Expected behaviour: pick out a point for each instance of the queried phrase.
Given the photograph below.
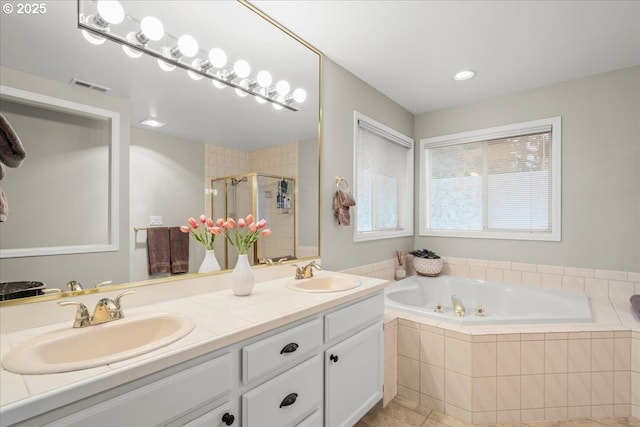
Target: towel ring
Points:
(342, 180)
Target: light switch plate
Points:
(155, 220)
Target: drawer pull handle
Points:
(289, 400)
(334, 358)
(289, 348)
(228, 419)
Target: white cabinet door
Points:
(354, 376)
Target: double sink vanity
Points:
(295, 352)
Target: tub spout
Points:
(458, 307)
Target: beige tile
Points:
(457, 390)
(414, 406)
(484, 359)
(579, 389)
(456, 412)
(432, 348)
(610, 275)
(510, 417)
(484, 417)
(555, 413)
(408, 342)
(409, 373)
(523, 267)
(602, 388)
(596, 288)
(622, 387)
(620, 292)
(438, 419)
(555, 356)
(579, 412)
(457, 356)
(392, 415)
(503, 265)
(390, 373)
(579, 355)
(532, 357)
(602, 411)
(531, 279)
(550, 281)
(432, 381)
(532, 391)
(478, 273)
(555, 390)
(580, 272)
(532, 414)
(602, 354)
(390, 342)
(495, 275)
(508, 397)
(508, 357)
(407, 393)
(484, 394)
(430, 402)
(622, 411)
(622, 354)
(550, 269)
(572, 283)
(512, 277)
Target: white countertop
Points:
(221, 319)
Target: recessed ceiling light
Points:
(152, 123)
(464, 75)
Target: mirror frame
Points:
(278, 26)
(65, 106)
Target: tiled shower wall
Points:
(485, 377)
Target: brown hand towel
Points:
(158, 250)
(341, 202)
(179, 243)
(4, 208)
(11, 151)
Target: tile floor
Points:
(404, 413)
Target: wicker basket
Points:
(427, 266)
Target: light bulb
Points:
(263, 92)
(299, 95)
(131, 53)
(152, 28)
(217, 57)
(93, 39)
(276, 106)
(218, 84)
(464, 75)
(264, 78)
(188, 45)
(195, 64)
(111, 11)
(163, 64)
(242, 68)
(283, 87)
(245, 84)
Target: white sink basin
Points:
(325, 283)
(72, 349)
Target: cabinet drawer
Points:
(270, 353)
(219, 417)
(285, 399)
(353, 317)
(313, 420)
(158, 402)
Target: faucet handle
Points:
(74, 285)
(82, 314)
(119, 297)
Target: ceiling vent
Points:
(90, 85)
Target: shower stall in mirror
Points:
(265, 196)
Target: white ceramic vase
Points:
(243, 277)
(209, 263)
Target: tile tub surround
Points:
(522, 373)
(222, 319)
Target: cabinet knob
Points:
(228, 419)
(289, 400)
(334, 358)
(289, 348)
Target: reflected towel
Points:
(11, 151)
(342, 200)
(4, 209)
(179, 243)
(635, 304)
(158, 250)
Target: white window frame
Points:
(554, 123)
(394, 137)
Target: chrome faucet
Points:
(306, 272)
(458, 307)
(106, 310)
(76, 286)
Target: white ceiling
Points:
(410, 50)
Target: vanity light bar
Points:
(96, 28)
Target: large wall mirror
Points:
(167, 174)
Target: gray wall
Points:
(307, 192)
(86, 268)
(167, 179)
(600, 170)
(343, 93)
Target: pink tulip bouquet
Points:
(205, 234)
(244, 232)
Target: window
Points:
(501, 182)
(384, 181)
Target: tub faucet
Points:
(307, 271)
(458, 307)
